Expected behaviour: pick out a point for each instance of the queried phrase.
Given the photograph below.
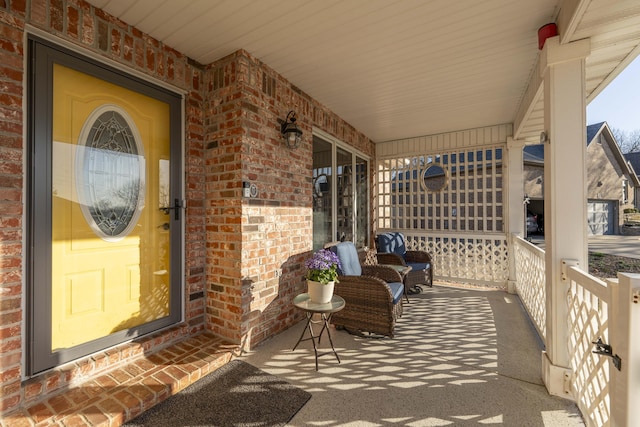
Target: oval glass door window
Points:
(434, 178)
(110, 172)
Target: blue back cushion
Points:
(392, 243)
(348, 256)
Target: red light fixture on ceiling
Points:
(546, 31)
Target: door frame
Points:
(42, 54)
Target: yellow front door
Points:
(110, 240)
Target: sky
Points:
(619, 103)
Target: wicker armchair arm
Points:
(369, 305)
(390, 259)
(385, 273)
(417, 256)
(363, 290)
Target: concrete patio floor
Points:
(460, 357)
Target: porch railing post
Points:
(624, 334)
(565, 192)
(515, 197)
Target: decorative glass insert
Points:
(110, 172)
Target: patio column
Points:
(515, 199)
(565, 193)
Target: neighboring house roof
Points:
(634, 159)
(593, 130)
(603, 128)
(535, 153)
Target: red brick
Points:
(75, 420)
(52, 381)
(112, 407)
(19, 7)
(95, 417)
(143, 394)
(10, 388)
(60, 404)
(106, 382)
(9, 249)
(127, 48)
(116, 37)
(150, 57)
(9, 402)
(41, 412)
(88, 29)
(32, 390)
(56, 15)
(10, 127)
(120, 376)
(73, 21)
(128, 401)
(17, 420)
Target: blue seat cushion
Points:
(397, 289)
(419, 266)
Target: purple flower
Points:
(323, 266)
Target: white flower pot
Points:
(319, 293)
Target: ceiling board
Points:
(393, 69)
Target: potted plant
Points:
(322, 275)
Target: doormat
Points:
(235, 395)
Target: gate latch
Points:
(603, 349)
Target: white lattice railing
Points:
(530, 281)
(464, 257)
(588, 301)
(606, 395)
(606, 388)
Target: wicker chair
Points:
(392, 250)
(369, 257)
(373, 294)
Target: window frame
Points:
(356, 154)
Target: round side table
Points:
(325, 311)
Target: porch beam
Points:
(565, 192)
(571, 13)
(531, 97)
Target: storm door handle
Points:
(177, 205)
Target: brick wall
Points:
(11, 202)
(256, 246)
(235, 247)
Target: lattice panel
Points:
(470, 199)
(467, 258)
(588, 320)
(530, 282)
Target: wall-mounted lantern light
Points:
(290, 132)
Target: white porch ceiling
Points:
(395, 69)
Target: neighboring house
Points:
(633, 160)
(612, 184)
